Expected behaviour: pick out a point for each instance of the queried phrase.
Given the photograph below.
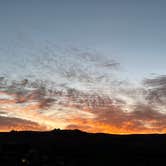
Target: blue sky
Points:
(132, 32)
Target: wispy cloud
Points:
(77, 89)
(9, 123)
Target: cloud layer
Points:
(77, 89)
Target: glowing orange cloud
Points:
(90, 125)
(37, 108)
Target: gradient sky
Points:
(95, 65)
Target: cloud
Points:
(156, 90)
(17, 92)
(145, 115)
(79, 89)
(93, 112)
(8, 124)
(25, 101)
(112, 120)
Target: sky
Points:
(93, 65)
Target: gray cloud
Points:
(8, 123)
(156, 92)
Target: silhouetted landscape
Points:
(77, 148)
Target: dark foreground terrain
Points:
(76, 148)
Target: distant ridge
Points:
(78, 148)
(77, 131)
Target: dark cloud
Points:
(114, 120)
(156, 82)
(24, 91)
(3, 113)
(8, 123)
(156, 92)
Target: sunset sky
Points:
(93, 65)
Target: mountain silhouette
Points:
(78, 148)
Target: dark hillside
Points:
(76, 148)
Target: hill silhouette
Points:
(77, 148)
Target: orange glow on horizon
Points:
(87, 125)
(99, 127)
